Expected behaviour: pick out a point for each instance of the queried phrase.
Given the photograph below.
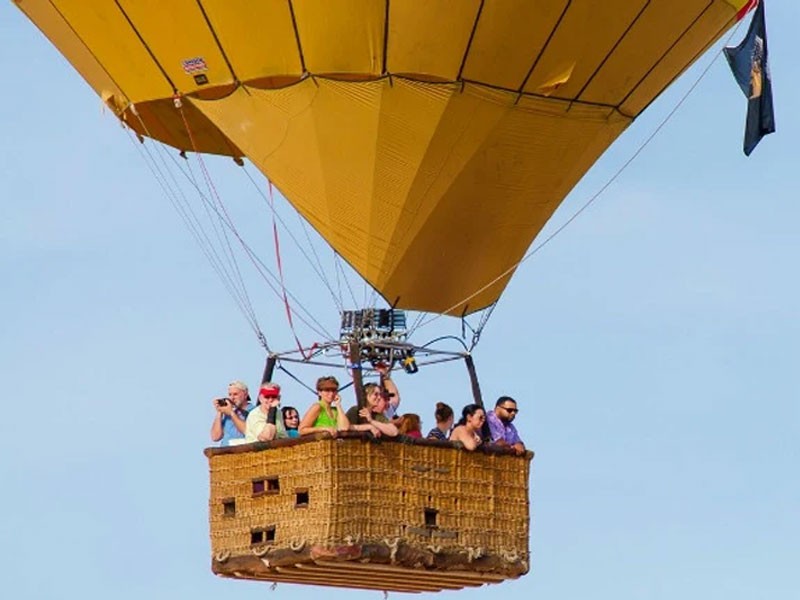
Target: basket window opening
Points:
(229, 507)
(301, 499)
(262, 535)
(266, 485)
(430, 518)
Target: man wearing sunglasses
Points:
(501, 424)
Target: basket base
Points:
(366, 567)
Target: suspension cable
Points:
(228, 221)
(297, 379)
(280, 273)
(476, 335)
(317, 267)
(214, 195)
(219, 231)
(187, 215)
(337, 265)
(263, 269)
(338, 282)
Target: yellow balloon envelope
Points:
(427, 141)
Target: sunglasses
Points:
(328, 389)
(269, 394)
(511, 410)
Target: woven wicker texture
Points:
(355, 491)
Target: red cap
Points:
(270, 390)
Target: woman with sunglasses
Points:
(291, 420)
(372, 416)
(326, 414)
(468, 429)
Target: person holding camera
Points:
(390, 392)
(231, 414)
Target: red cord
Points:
(280, 274)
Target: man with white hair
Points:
(265, 422)
(231, 414)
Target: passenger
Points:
(326, 414)
(501, 424)
(444, 422)
(468, 429)
(291, 420)
(263, 422)
(392, 393)
(371, 417)
(411, 425)
(231, 414)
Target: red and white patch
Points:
(194, 65)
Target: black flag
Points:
(748, 62)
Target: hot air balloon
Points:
(428, 143)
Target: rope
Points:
(393, 546)
(222, 555)
(445, 337)
(417, 320)
(280, 273)
(473, 553)
(318, 269)
(308, 387)
(591, 200)
(214, 194)
(476, 335)
(265, 271)
(337, 264)
(509, 555)
(319, 329)
(196, 230)
(221, 235)
(260, 266)
(262, 551)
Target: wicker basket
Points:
(389, 514)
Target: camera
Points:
(222, 401)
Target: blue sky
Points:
(652, 346)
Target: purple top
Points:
(501, 431)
